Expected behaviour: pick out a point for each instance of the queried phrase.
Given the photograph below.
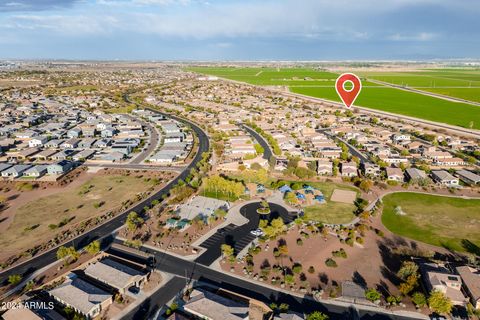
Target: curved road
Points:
(104, 230)
(267, 150)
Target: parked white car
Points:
(257, 232)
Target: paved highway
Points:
(104, 230)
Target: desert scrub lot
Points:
(461, 83)
(38, 221)
(330, 212)
(448, 222)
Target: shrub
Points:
(311, 269)
(297, 268)
(419, 299)
(331, 263)
(372, 295)
(339, 253)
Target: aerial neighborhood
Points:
(165, 190)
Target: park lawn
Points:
(330, 212)
(221, 195)
(406, 103)
(448, 222)
(72, 203)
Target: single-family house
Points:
(116, 274)
(394, 174)
(82, 296)
(60, 167)
(83, 155)
(54, 143)
(15, 171)
(471, 283)
(468, 177)
(37, 141)
(36, 171)
(415, 175)
(444, 178)
(370, 169)
(349, 169)
(74, 132)
(324, 168)
(437, 277)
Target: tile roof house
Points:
(471, 283)
(437, 277)
(36, 171)
(444, 178)
(115, 274)
(415, 175)
(82, 297)
(16, 171)
(394, 174)
(468, 177)
(349, 169)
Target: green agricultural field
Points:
(461, 83)
(406, 103)
(441, 221)
(272, 76)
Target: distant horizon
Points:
(239, 30)
(459, 60)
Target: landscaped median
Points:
(449, 222)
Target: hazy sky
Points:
(240, 29)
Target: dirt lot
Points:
(371, 264)
(33, 217)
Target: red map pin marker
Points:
(348, 96)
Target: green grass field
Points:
(330, 212)
(461, 83)
(406, 103)
(441, 221)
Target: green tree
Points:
(407, 269)
(227, 250)
(317, 315)
(14, 279)
(291, 198)
(93, 247)
(134, 221)
(439, 302)
(67, 253)
(366, 185)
